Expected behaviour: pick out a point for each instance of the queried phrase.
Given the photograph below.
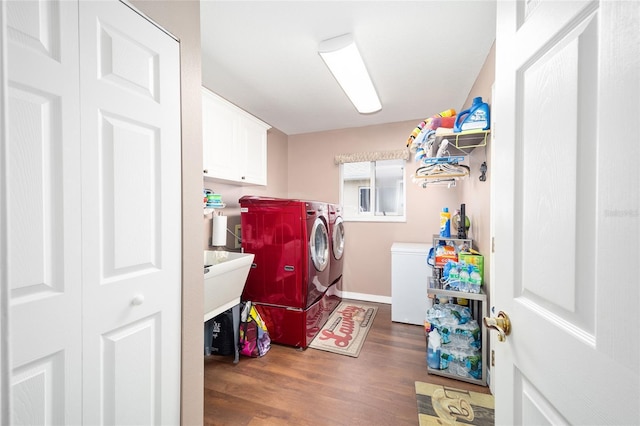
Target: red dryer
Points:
(290, 274)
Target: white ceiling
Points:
(423, 57)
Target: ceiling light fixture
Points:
(345, 63)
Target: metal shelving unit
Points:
(477, 305)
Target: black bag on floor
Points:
(222, 342)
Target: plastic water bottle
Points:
(474, 279)
(464, 277)
(454, 276)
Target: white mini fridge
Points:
(410, 275)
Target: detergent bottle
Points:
(445, 223)
(476, 117)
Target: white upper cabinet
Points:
(234, 142)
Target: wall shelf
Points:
(208, 210)
(447, 167)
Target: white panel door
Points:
(566, 212)
(130, 101)
(43, 212)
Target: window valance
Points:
(357, 157)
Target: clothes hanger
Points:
(442, 170)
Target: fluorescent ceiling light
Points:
(345, 63)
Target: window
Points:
(373, 191)
(364, 198)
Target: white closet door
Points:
(43, 212)
(566, 213)
(130, 112)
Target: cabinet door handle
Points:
(206, 171)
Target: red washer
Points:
(289, 277)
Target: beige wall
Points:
(313, 175)
(182, 19)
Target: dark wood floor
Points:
(312, 387)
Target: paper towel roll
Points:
(219, 231)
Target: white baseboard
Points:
(366, 297)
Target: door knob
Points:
(138, 300)
(501, 324)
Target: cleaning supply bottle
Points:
(476, 117)
(445, 223)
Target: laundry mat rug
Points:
(439, 405)
(346, 329)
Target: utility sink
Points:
(225, 274)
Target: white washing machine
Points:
(410, 275)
